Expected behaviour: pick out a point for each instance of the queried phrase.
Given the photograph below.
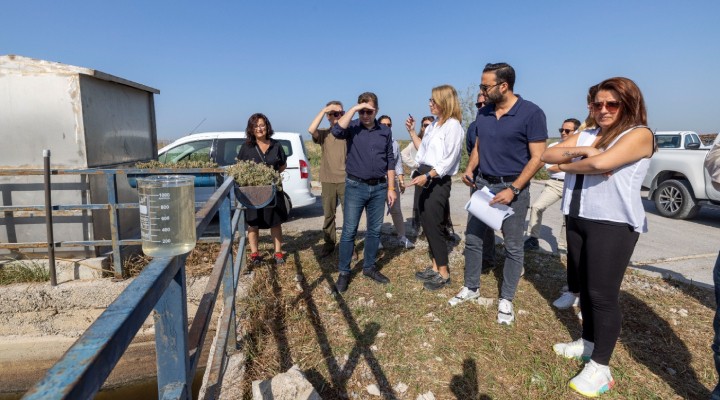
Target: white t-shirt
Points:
(441, 146)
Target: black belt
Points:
(371, 182)
(557, 179)
(498, 179)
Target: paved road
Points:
(685, 250)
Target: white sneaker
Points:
(580, 349)
(406, 242)
(566, 300)
(579, 314)
(593, 380)
(505, 312)
(464, 295)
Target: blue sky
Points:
(221, 61)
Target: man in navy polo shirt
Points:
(369, 167)
(511, 136)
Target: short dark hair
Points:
(252, 123)
(503, 73)
(369, 96)
(574, 121)
(383, 117)
(335, 102)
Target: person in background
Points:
(712, 166)
(512, 135)
(604, 170)
(551, 194)
(488, 253)
(261, 148)
(408, 157)
(395, 210)
(439, 159)
(332, 170)
(370, 166)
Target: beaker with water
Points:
(167, 214)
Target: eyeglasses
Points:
(486, 88)
(479, 105)
(336, 114)
(388, 124)
(260, 127)
(568, 131)
(366, 112)
(432, 101)
(611, 106)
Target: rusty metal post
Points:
(49, 220)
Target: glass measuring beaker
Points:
(167, 214)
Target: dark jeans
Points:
(601, 253)
(358, 197)
(513, 229)
(716, 326)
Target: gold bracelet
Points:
(391, 187)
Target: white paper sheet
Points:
(493, 216)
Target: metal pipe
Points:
(48, 219)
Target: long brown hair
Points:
(632, 108)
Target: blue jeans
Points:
(513, 229)
(716, 326)
(358, 197)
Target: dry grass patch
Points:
(401, 334)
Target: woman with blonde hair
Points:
(439, 159)
(604, 213)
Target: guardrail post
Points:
(171, 339)
(114, 224)
(229, 281)
(49, 219)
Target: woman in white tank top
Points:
(604, 215)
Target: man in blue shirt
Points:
(511, 137)
(369, 167)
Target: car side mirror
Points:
(692, 146)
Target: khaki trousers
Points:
(332, 194)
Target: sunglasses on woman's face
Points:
(611, 106)
(336, 114)
(366, 112)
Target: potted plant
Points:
(255, 184)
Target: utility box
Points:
(87, 119)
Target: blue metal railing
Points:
(80, 373)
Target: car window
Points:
(691, 139)
(192, 151)
(228, 150)
(668, 141)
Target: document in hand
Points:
(492, 215)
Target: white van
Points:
(222, 148)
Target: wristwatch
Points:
(428, 176)
(515, 190)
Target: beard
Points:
(493, 98)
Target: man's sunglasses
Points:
(568, 131)
(611, 106)
(425, 125)
(336, 114)
(366, 112)
(479, 105)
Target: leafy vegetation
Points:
(250, 173)
(23, 271)
(154, 164)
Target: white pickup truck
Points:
(676, 179)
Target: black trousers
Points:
(600, 252)
(433, 205)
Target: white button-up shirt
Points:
(441, 146)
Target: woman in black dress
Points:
(259, 147)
